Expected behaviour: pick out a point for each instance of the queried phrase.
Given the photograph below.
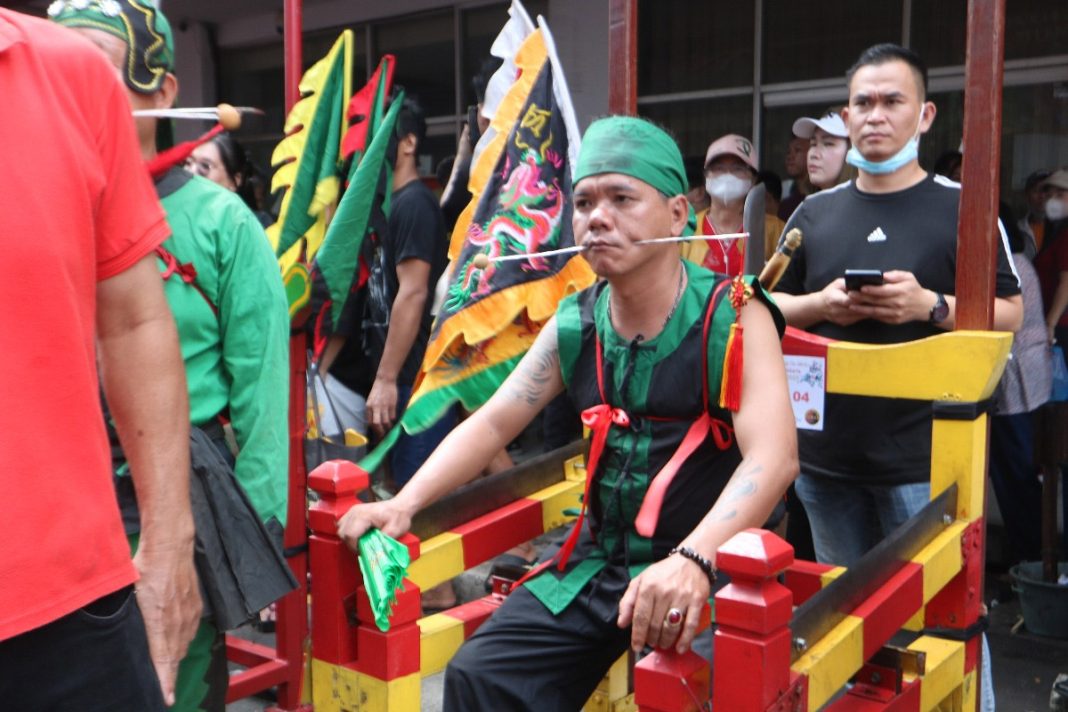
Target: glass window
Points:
(424, 48)
(255, 76)
(685, 45)
(939, 30)
(811, 39)
(1034, 129)
(1035, 27)
(947, 130)
(480, 26)
(695, 124)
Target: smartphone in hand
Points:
(857, 278)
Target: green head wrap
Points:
(633, 147)
(138, 23)
(636, 148)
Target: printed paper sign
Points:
(807, 379)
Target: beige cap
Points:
(1058, 179)
(733, 145)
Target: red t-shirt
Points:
(723, 256)
(76, 207)
(1050, 261)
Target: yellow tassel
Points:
(730, 387)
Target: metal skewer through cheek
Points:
(227, 115)
(481, 261)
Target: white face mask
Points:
(727, 188)
(1056, 209)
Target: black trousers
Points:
(525, 658)
(92, 660)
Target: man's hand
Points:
(382, 405)
(389, 516)
(675, 582)
(899, 300)
(836, 304)
(169, 599)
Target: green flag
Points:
(365, 203)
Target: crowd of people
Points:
(167, 316)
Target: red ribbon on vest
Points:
(645, 522)
(599, 419)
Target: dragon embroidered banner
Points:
(521, 204)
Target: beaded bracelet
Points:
(705, 564)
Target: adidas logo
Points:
(877, 235)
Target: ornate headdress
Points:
(138, 23)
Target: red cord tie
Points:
(599, 419)
(649, 514)
(186, 272)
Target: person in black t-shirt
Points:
(405, 267)
(868, 470)
(369, 363)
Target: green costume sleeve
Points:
(254, 324)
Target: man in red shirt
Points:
(78, 224)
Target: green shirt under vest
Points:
(658, 383)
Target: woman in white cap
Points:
(828, 144)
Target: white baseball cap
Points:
(831, 122)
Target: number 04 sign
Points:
(806, 377)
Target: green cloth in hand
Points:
(383, 563)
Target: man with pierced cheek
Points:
(647, 356)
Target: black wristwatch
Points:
(940, 310)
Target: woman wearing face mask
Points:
(1052, 260)
(730, 171)
(223, 160)
(828, 144)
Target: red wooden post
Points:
(294, 49)
(665, 681)
(977, 227)
(396, 652)
(291, 627)
(752, 649)
(335, 570)
(343, 627)
(623, 57)
(957, 606)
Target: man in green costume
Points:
(223, 286)
(671, 474)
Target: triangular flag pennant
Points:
(308, 160)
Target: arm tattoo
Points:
(745, 486)
(529, 382)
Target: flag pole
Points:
(292, 609)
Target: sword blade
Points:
(818, 615)
(753, 223)
(489, 493)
